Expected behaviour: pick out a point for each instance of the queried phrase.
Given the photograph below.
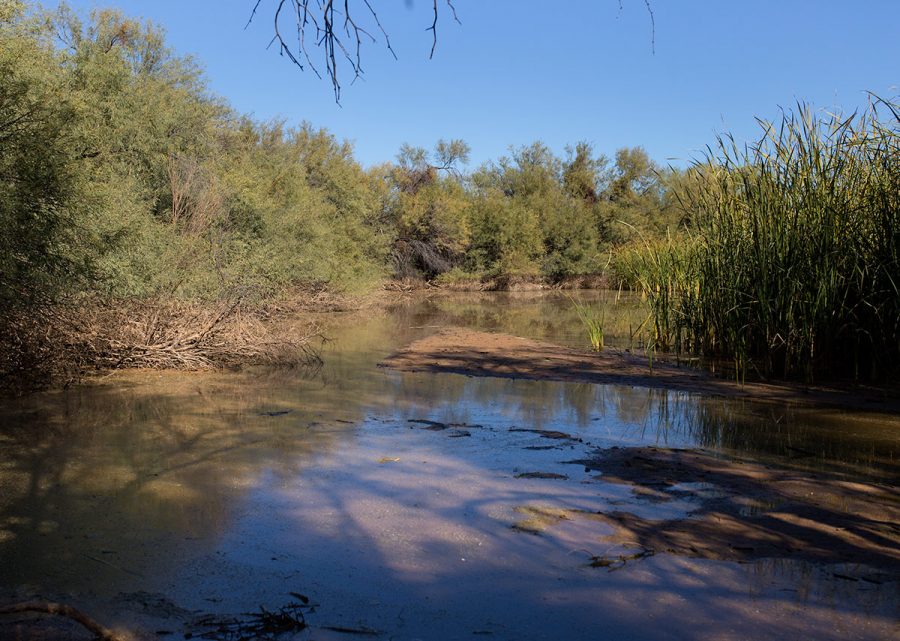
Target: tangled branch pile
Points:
(60, 343)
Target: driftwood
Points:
(62, 610)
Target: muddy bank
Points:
(503, 283)
(475, 353)
(744, 510)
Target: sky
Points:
(561, 71)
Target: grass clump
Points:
(592, 322)
(664, 270)
(793, 265)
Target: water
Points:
(149, 498)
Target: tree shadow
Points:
(744, 510)
(222, 489)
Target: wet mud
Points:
(476, 353)
(745, 510)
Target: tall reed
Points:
(793, 266)
(665, 271)
(592, 322)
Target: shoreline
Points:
(451, 350)
(475, 353)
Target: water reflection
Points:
(548, 315)
(188, 485)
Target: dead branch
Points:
(58, 343)
(179, 335)
(433, 27)
(62, 610)
(333, 27)
(343, 39)
(197, 198)
(649, 8)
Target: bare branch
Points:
(453, 10)
(62, 610)
(337, 32)
(652, 26)
(387, 39)
(252, 13)
(344, 38)
(652, 23)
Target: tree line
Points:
(124, 176)
(145, 222)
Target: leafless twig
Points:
(333, 27)
(433, 27)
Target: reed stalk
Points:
(592, 322)
(792, 265)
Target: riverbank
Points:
(59, 346)
(474, 353)
(56, 345)
(503, 283)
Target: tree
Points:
(583, 173)
(431, 208)
(39, 239)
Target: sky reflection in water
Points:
(150, 496)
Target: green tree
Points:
(431, 209)
(633, 205)
(42, 249)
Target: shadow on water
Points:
(426, 537)
(154, 496)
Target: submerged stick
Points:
(62, 610)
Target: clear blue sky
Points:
(560, 71)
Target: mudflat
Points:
(744, 510)
(476, 353)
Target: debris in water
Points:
(541, 475)
(361, 630)
(435, 426)
(264, 625)
(618, 561)
(554, 434)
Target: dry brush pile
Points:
(59, 343)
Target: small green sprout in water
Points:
(592, 323)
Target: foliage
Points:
(664, 269)
(122, 178)
(795, 268)
(41, 250)
(592, 323)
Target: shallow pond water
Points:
(409, 506)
